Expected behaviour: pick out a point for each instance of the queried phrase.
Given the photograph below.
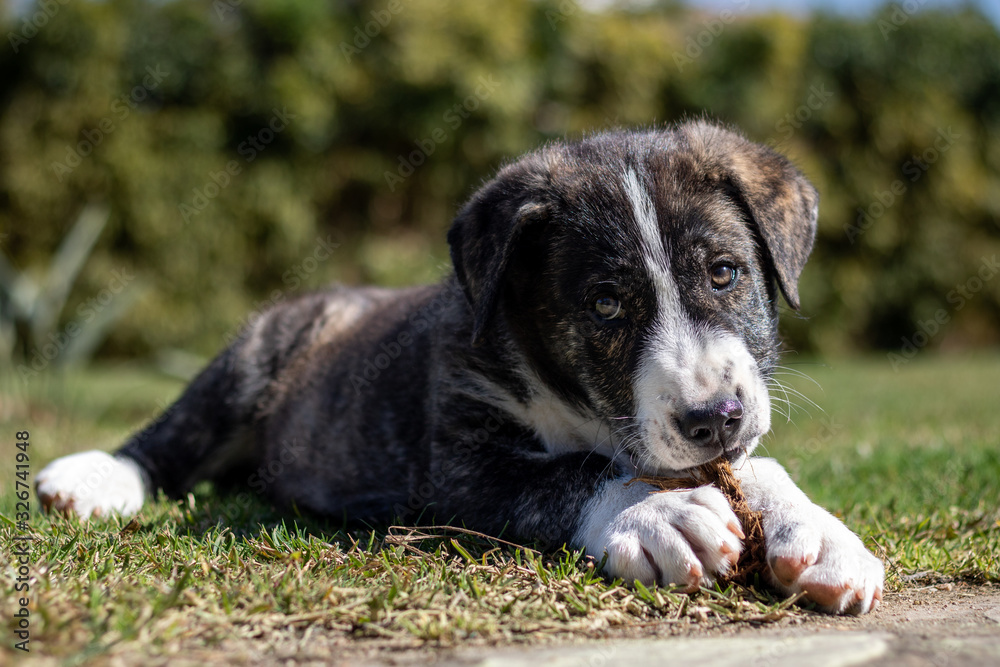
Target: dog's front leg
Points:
(679, 537)
(808, 549)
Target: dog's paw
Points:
(91, 484)
(678, 537)
(814, 552)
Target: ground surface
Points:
(940, 625)
(907, 457)
(958, 625)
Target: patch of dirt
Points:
(945, 625)
(948, 624)
(938, 611)
(932, 609)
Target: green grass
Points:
(909, 460)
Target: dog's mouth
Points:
(731, 453)
(665, 453)
(734, 453)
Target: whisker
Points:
(799, 394)
(797, 373)
(620, 437)
(787, 400)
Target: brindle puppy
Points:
(613, 311)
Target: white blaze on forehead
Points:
(673, 331)
(682, 363)
(647, 223)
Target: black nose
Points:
(713, 423)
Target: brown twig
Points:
(419, 533)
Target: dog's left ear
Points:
(488, 229)
(785, 206)
(782, 203)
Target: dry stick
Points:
(417, 533)
(753, 558)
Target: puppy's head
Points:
(637, 273)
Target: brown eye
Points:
(723, 276)
(608, 307)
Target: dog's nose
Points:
(713, 423)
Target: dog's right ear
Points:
(488, 229)
(780, 201)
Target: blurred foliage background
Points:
(238, 151)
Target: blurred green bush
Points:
(250, 149)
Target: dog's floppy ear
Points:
(486, 232)
(782, 203)
(784, 206)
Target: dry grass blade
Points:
(413, 534)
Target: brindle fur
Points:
(376, 403)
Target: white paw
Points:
(91, 484)
(677, 537)
(813, 551)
